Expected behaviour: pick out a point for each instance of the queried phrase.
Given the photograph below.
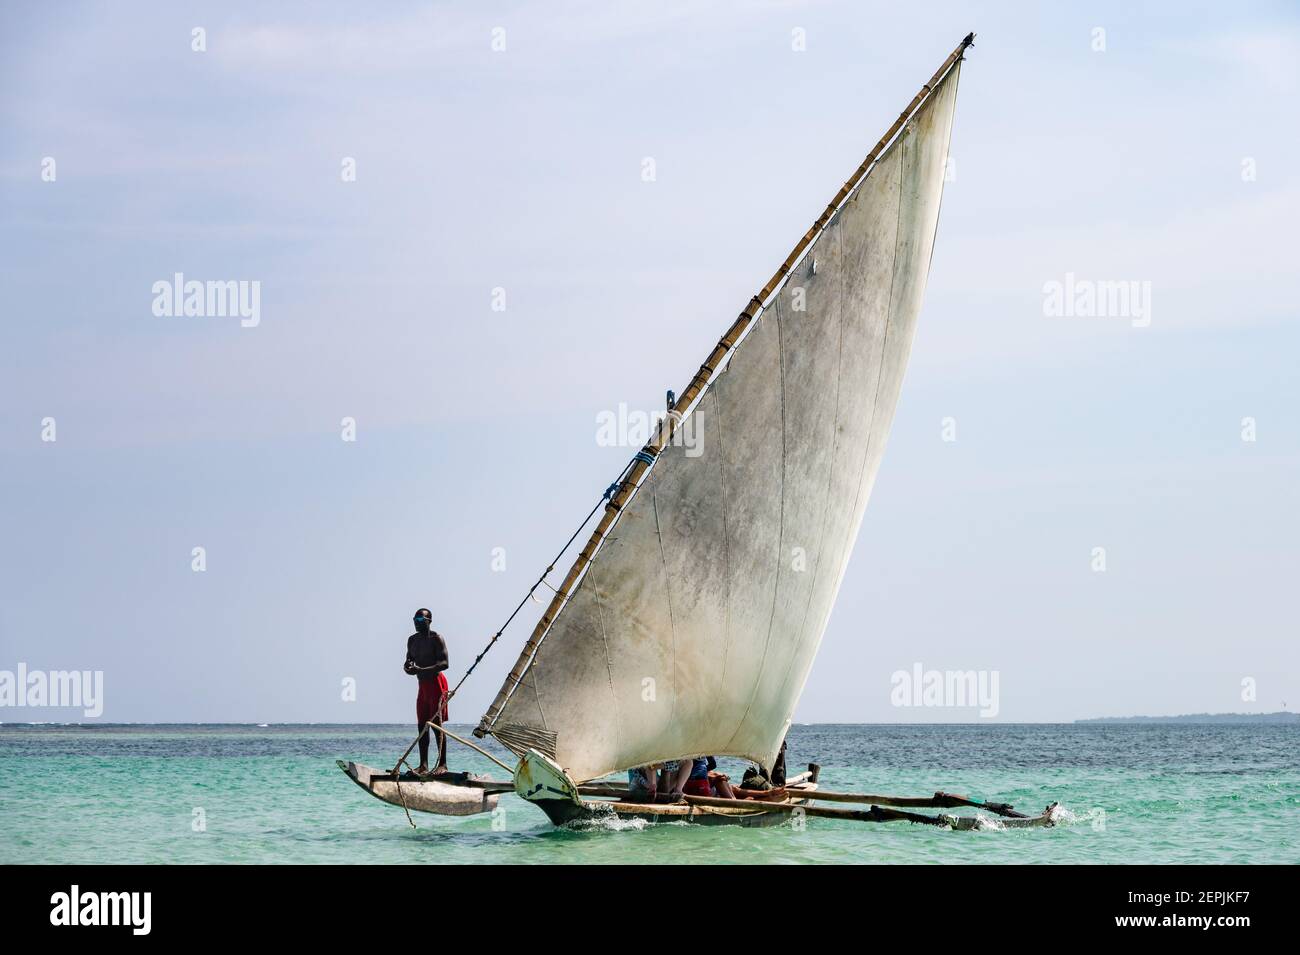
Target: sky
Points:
(499, 152)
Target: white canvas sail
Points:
(694, 628)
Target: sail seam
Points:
(537, 698)
(903, 142)
(726, 550)
(884, 342)
(668, 590)
(830, 471)
(889, 311)
(852, 527)
(609, 659)
(776, 582)
(947, 144)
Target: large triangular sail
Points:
(691, 620)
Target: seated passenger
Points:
(673, 775)
(778, 769)
(697, 783)
(705, 780)
(759, 778)
(641, 784)
(720, 782)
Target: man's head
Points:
(422, 619)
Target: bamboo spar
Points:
(668, 426)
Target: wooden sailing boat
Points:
(690, 619)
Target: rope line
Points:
(401, 760)
(604, 500)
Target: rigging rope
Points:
(605, 498)
(437, 728)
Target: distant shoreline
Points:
(1282, 716)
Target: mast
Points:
(646, 457)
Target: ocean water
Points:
(1130, 793)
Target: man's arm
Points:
(409, 665)
(440, 662)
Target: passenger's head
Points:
(422, 619)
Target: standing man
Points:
(426, 658)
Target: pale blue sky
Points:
(522, 169)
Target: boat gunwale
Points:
(687, 809)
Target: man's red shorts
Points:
(431, 701)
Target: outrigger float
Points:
(540, 781)
(689, 621)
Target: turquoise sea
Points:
(1131, 793)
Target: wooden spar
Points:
(874, 814)
(441, 728)
(610, 790)
(939, 800)
(474, 746)
(688, 396)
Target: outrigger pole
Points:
(876, 813)
(939, 800)
(441, 728)
(647, 456)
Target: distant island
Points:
(1282, 716)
